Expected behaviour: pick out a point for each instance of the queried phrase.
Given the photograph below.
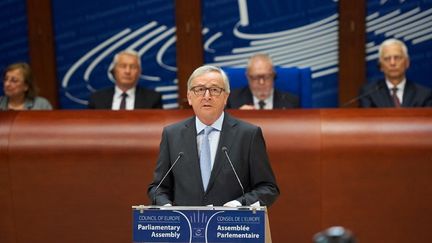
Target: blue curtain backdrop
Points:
(13, 29)
(295, 33)
(89, 33)
(408, 21)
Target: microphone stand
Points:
(371, 91)
(243, 201)
(163, 178)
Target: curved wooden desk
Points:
(72, 176)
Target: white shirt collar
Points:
(400, 86)
(216, 125)
(130, 101)
(118, 92)
(268, 102)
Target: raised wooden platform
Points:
(72, 176)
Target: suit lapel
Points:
(140, 99)
(387, 98)
(277, 101)
(227, 135)
(109, 99)
(247, 98)
(382, 98)
(408, 94)
(190, 149)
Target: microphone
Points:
(225, 150)
(180, 154)
(371, 91)
(334, 234)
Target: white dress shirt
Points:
(213, 136)
(130, 99)
(400, 89)
(268, 102)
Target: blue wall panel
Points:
(295, 33)
(89, 33)
(13, 29)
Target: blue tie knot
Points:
(207, 130)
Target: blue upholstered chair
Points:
(290, 79)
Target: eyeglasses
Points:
(257, 78)
(201, 90)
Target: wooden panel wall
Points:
(42, 50)
(189, 40)
(7, 221)
(352, 54)
(72, 176)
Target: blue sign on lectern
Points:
(200, 224)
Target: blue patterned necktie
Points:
(205, 158)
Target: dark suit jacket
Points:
(243, 96)
(144, 99)
(378, 95)
(183, 186)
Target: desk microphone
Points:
(334, 234)
(371, 91)
(180, 154)
(225, 150)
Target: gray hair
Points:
(262, 56)
(392, 42)
(207, 69)
(126, 52)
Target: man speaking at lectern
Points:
(212, 158)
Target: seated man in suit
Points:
(260, 93)
(126, 95)
(194, 166)
(395, 90)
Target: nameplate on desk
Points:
(198, 224)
